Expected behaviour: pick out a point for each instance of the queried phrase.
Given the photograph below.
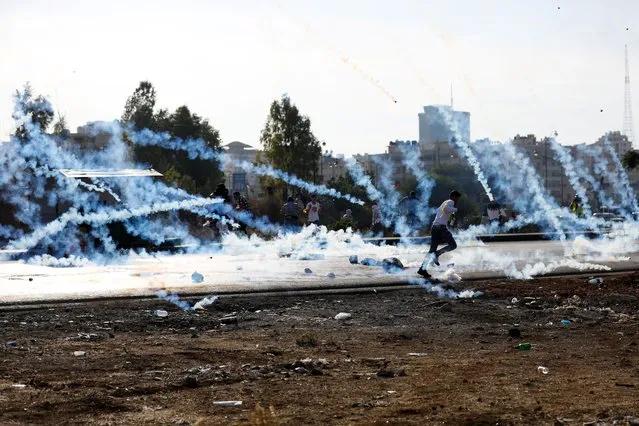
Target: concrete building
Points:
(86, 139)
(331, 167)
(237, 179)
(441, 123)
(549, 170)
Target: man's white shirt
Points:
(443, 212)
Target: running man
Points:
(312, 209)
(440, 234)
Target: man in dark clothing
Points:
(440, 234)
(241, 204)
(291, 213)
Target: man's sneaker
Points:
(424, 273)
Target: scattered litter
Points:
(450, 276)
(565, 322)
(19, 385)
(450, 265)
(161, 313)
(227, 403)
(523, 346)
(342, 316)
(392, 264)
(230, 319)
(239, 267)
(417, 354)
(91, 337)
(514, 300)
(515, 333)
(79, 353)
(353, 259)
(11, 344)
(331, 275)
(595, 280)
(367, 261)
(310, 256)
(202, 304)
(543, 370)
(308, 271)
(196, 277)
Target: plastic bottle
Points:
(596, 280)
(524, 346)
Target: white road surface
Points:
(242, 266)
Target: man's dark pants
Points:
(441, 235)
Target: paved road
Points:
(246, 267)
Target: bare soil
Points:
(404, 357)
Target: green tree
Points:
(630, 159)
(199, 176)
(38, 109)
(60, 126)
(289, 143)
(139, 107)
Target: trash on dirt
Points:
(367, 261)
(565, 322)
(392, 264)
(229, 319)
(417, 354)
(11, 344)
(196, 277)
(19, 385)
(595, 280)
(331, 275)
(342, 316)
(515, 333)
(386, 373)
(227, 403)
(450, 276)
(514, 300)
(523, 346)
(79, 353)
(207, 301)
(161, 313)
(543, 370)
(310, 256)
(302, 370)
(91, 337)
(308, 271)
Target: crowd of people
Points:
(295, 213)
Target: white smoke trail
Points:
(563, 155)
(626, 191)
(198, 149)
(425, 185)
(102, 217)
(464, 147)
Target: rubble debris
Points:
(331, 275)
(79, 353)
(353, 259)
(342, 316)
(308, 271)
(196, 277)
(161, 313)
(227, 403)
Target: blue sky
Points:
(518, 66)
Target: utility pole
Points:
(628, 124)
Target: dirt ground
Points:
(404, 357)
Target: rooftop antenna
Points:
(628, 126)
